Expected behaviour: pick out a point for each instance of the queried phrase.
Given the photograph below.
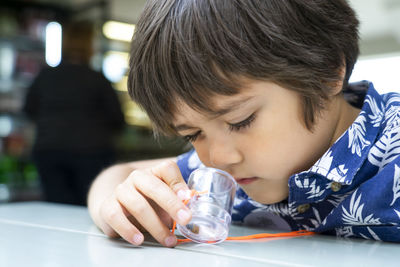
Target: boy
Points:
(258, 88)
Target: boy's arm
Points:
(103, 202)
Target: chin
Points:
(268, 200)
(266, 193)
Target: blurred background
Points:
(31, 39)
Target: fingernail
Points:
(138, 239)
(170, 241)
(183, 215)
(184, 194)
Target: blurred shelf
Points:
(24, 43)
(18, 194)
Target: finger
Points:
(101, 223)
(161, 193)
(114, 217)
(139, 207)
(107, 229)
(169, 172)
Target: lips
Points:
(245, 181)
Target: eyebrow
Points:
(219, 112)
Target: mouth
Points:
(245, 181)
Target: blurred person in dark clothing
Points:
(77, 115)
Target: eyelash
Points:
(242, 124)
(232, 127)
(191, 138)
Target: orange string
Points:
(192, 193)
(246, 237)
(174, 224)
(259, 236)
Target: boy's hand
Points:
(147, 201)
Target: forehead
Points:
(218, 104)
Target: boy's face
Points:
(260, 139)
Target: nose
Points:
(223, 154)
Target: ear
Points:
(338, 86)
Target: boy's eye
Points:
(192, 137)
(243, 124)
(232, 127)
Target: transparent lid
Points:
(211, 207)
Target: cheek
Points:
(264, 152)
(273, 148)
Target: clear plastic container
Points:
(212, 207)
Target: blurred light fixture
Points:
(122, 85)
(7, 60)
(53, 43)
(118, 30)
(7, 66)
(382, 71)
(134, 115)
(6, 125)
(115, 65)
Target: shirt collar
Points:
(346, 156)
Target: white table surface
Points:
(44, 234)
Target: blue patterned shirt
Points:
(353, 190)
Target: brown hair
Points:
(190, 50)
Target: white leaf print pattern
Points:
(279, 208)
(316, 222)
(377, 112)
(194, 161)
(392, 118)
(391, 98)
(338, 174)
(314, 191)
(397, 212)
(354, 215)
(345, 231)
(372, 233)
(294, 213)
(392, 111)
(385, 150)
(396, 184)
(323, 165)
(357, 141)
